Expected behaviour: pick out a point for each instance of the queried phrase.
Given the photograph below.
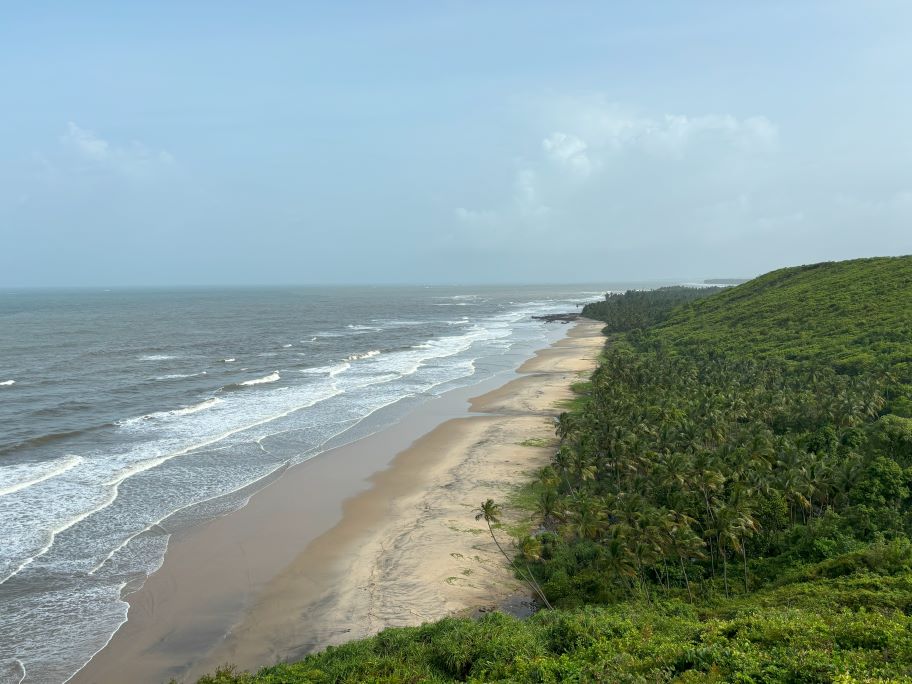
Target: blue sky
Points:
(261, 143)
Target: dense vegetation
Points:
(634, 309)
(730, 502)
(852, 316)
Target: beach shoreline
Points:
(374, 534)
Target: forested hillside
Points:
(623, 312)
(730, 502)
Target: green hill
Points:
(853, 315)
(731, 502)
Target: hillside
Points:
(730, 502)
(853, 315)
(623, 312)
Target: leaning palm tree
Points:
(490, 511)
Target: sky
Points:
(229, 143)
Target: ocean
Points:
(127, 415)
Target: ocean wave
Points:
(196, 408)
(180, 376)
(160, 415)
(285, 346)
(366, 355)
(397, 323)
(7, 383)
(363, 327)
(16, 668)
(56, 531)
(272, 377)
(331, 371)
(231, 360)
(57, 468)
(157, 357)
(49, 438)
(142, 465)
(113, 484)
(339, 368)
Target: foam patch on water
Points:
(180, 376)
(366, 355)
(272, 377)
(162, 415)
(32, 474)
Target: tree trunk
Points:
(744, 556)
(686, 581)
(530, 580)
(724, 569)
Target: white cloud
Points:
(606, 171)
(568, 151)
(86, 143)
(132, 159)
(608, 126)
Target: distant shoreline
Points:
(303, 574)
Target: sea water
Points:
(127, 415)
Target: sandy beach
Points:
(374, 534)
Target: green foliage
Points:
(781, 635)
(852, 316)
(635, 309)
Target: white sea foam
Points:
(272, 377)
(161, 415)
(231, 360)
(397, 323)
(196, 408)
(367, 355)
(363, 327)
(331, 371)
(7, 383)
(285, 346)
(180, 376)
(112, 485)
(56, 468)
(156, 357)
(339, 368)
(63, 527)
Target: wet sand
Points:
(374, 534)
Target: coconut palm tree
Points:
(490, 512)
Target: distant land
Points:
(725, 281)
